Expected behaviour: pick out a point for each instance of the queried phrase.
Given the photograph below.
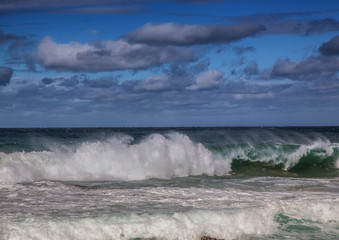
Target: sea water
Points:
(169, 183)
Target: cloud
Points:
(302, 27)
(241, 50)
(210, 95)
(290, 23)
(251, 69)
(154, 83)
(321, 26)
(313, 68)
(47, 80)
(83, 6)
(107, 55)
(331, 47)
(207, 80)
(17, 49)
(104, 82)
(5, 75)
(326, 86)
(175, 34)
(5, 38)
(69, 82)
(269, 17)
(201, 66)
(75, 6)
(102, 10)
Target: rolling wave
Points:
(157, 156)
(167, 156)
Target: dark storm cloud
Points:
(107, 55)
(313, 68)
(5, 75)
(176, 34)
(331, 47)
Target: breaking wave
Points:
(157, 156)
(166, 156)
(238, 223)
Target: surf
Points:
(169, 155)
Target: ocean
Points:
(169, 183)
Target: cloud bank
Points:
(313, 68)
(107, 55)
(176, 34)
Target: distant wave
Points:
(165, 156)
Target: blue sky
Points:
(114, 63)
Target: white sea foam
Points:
(182, 225)
(316, 210)
(157, 156)
(238, 223)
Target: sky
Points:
(147, 63)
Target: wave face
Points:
(145, 154)
(317, 158)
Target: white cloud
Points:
(209, 79)
(154, 83)
(175, 34)
(106, 55)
